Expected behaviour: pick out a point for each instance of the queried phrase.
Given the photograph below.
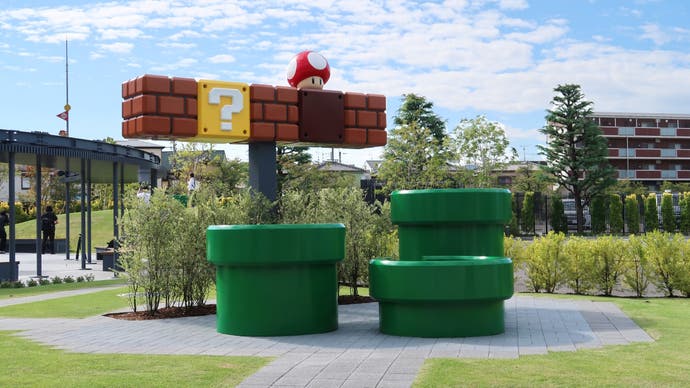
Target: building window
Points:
(26, 182)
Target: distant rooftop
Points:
(138, 144)
(641, 115)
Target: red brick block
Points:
(376, 137)
(262, 132)
(191, 107)
(275, 112)
(376, 102)
(152, 84)
(287, 132)
(184, 86)
(125, 129)
(144, 104)
(184, 127)
(355, 101)
(259, 92)
(350, 118)
(125, 89)
(169, 105)
(257, 112)
(382, 120)
(293, 114)
(367, 119)
(153, 125)
(286, 94)
(355, 136)
(126, 109)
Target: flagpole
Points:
(67, 107)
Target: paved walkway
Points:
(355, 355)
(56, 265)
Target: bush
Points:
(68, 279)
(615, 214)
(44, 281)
(528, 213)
(56, 280)
(545, 267)
(632, 214)
(31, 283)
(664, 252)
(668, 217)
(5, 284)
(578, 258)
(636, 266)
(513, 226)
(651, 215)
(80, 279)
(608, 263)
(559, 222)
(685, 213)
(598, 214)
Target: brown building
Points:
(647, 147)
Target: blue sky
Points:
(500, 58)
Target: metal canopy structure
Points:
(81, 161)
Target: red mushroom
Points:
(308, 70)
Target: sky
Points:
(498, 58)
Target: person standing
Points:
(191, 183)
(4, 220)
(48, 221)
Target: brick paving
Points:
(355, 355)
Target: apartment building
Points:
(647, 147)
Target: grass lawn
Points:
(101, 228)
(665, 362)
(8, 293)
(26, 364)
(79, 306)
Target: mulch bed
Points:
(179, 312)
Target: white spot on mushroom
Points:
(292, 67)
(317, 60)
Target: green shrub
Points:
(685, 213)
(608, 263)
(515, 249)
(632, 214)
(598, 214)
(578, 258)
(56, 280)
(664, 252)
(615, 214)
(5, 284)
(668, 218)
(80, 279)
(68, 279)
(651, 213)
(44, 281)
(513, 226)
(528, 213)
(636, 266)
(31, 283)
(545, 266)
(559, 222)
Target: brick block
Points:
(350, 118)
(293, 114)
(184, 127)
(286, 94)
(258, 92)
(191, 107)
(355, 136)
(376, 137)
(152, 84)
(184, 86)
(382, 120)
(169, 105)
(275, 112)
(376, 102)
(125, 89)
(126, 109)
(153, 125)
(367, 119)
(257, 112)
(287, 132)
(125, 129)
(355, 101)
(262, 132)
(144, 104)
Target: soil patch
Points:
(179, 312)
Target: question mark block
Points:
(223, 112)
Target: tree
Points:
(626, 187)
(482, 144)
(530, 179)
(598, 214)
(685, 213)
(416, 155)
(576, 150)
(558, 221)
(291, 161)
(668, 218)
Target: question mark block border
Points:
(209, 113)
(165, 108)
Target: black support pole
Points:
(116, 205)
(88, 210)
(262, 169)
(83, 213)
(39, 247)
(11, 187)
(68, 202)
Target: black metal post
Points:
(88, 210)
(39, 247)
(11, 187)
(116, 233)
(83, 213)
(68, 203)
(262, 169)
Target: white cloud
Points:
(177, 45)
(117, 48)
(181, 64)
(655, 34)
(222, 58)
